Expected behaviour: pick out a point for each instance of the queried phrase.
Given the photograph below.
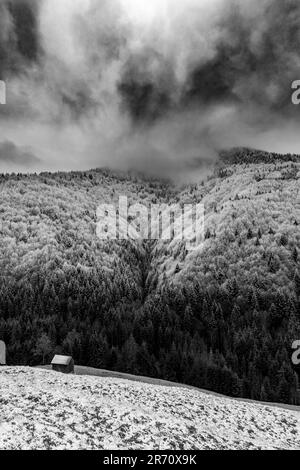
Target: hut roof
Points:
(61, 360)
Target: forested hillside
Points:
(220, 317)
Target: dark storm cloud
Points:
(10, 154)
(24, 18)
(19, 43)
(255, 61)
(112, 82)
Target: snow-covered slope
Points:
(45, 410)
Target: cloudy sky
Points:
(160, 85)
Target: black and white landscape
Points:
(164, 102)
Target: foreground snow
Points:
(45, 410)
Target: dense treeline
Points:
(222, 317)
(240, 156)
(231, 340)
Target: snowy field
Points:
(41, 409)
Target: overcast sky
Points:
(159, 85)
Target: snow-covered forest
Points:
(222, 317)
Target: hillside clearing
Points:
(41, 409)
(93, 372)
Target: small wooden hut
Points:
(64, 364)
